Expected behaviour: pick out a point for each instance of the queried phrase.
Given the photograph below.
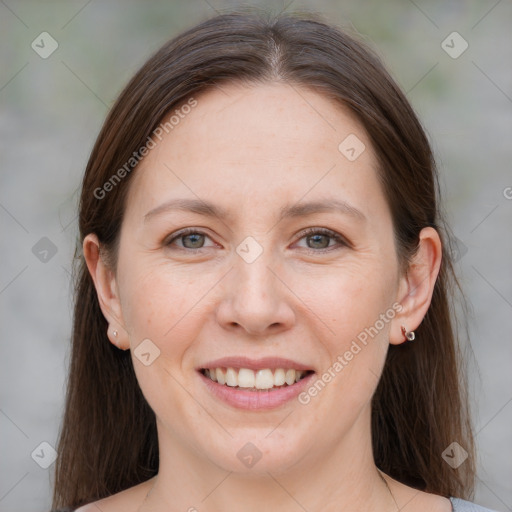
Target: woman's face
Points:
(254, 283)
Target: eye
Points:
(319, 239)
(190, 238)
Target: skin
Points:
(253, 150)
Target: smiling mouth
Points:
(260, 380)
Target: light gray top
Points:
(466, 506)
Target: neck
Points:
(345, 478)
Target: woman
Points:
(262, 312)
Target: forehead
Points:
(259, 146)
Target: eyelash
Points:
(308, 232)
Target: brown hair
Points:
(108, 440)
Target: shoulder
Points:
(90, 507)
(466, 506)
(125, 501)
(112, 504)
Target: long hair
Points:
(108, 438)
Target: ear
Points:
(106, 288)
(417, 285)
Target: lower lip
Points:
(256, 400)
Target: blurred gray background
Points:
(52, 109)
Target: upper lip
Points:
(255, 364)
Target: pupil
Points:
(316, 237)
(198, 238)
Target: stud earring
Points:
(409, 335)
(116, 341)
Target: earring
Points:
(116, 341)
(408, 335)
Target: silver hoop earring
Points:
(409, 335)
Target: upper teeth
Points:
(259, 379)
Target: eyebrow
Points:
(289, 211)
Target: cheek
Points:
(146, 303)
(357, 307)
(349, 299)
(163, 303)
(155, 307)
(358, 348)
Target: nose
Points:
(256, 299)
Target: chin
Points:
(259, 456)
